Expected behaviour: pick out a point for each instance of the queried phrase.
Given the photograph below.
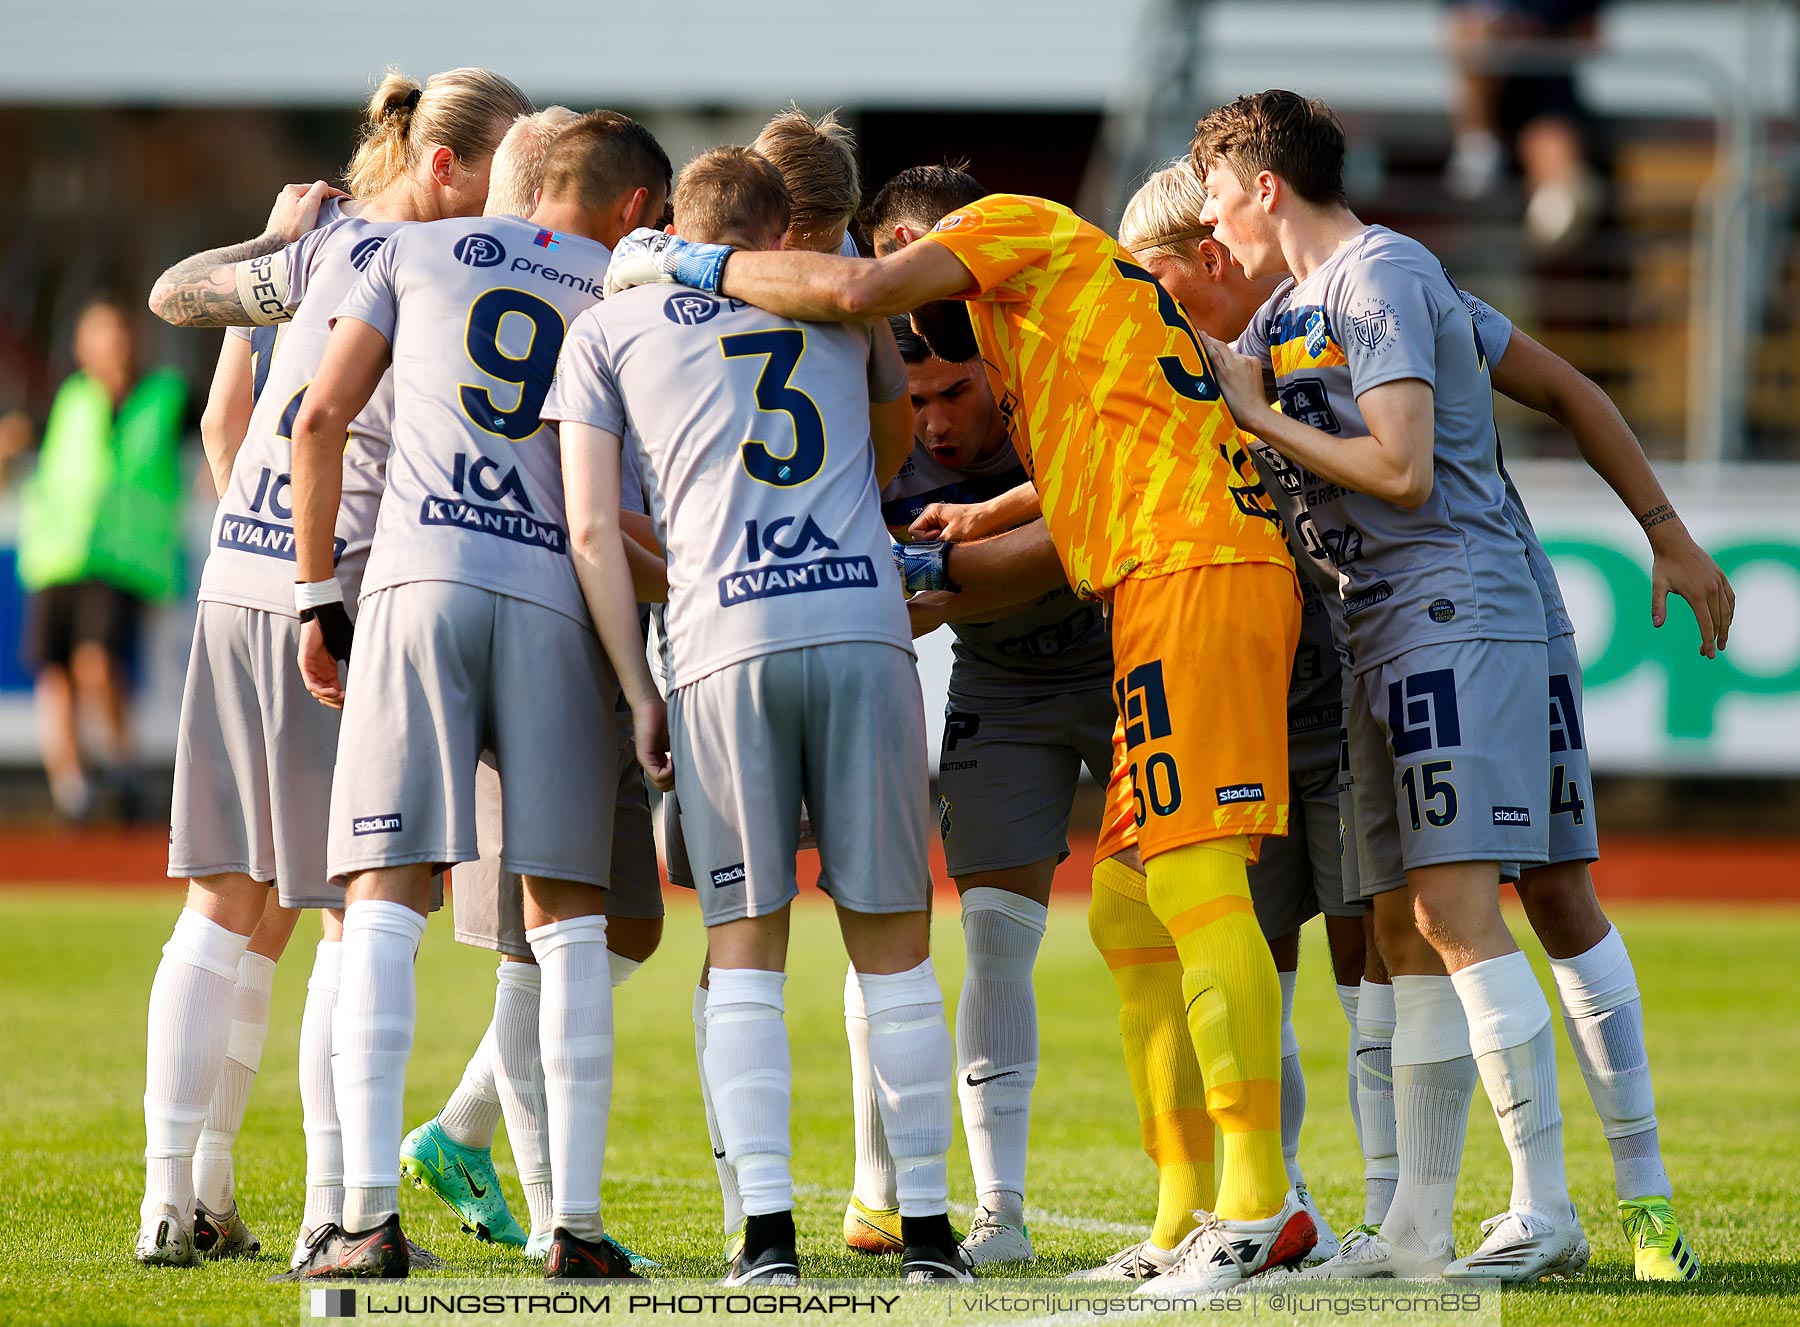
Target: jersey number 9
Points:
(531, 371)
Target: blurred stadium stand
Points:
(136, 134)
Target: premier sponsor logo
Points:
(844, 573)
(556, 276)
(1512, 815)
(728, 875)
(384, 824)
(246, 534)
(477, 518)
(1240, 792)
(1380, 592)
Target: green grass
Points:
(75, 970)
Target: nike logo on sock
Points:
(718, 1155)
(1373, 1048)
(469, 1180)
(977, 1082)
(1503, 1111)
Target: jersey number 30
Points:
(532, 371)
(782, 348)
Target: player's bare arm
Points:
(890, 422)
(597, 541)
(994, 576)
(960, 522)
(826, 288)
(649, 569)
(1391, 462)
(229, 403)
(239, 285)
(355, 358)
(1540, 378)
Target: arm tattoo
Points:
(1657, 515)
(202, 291)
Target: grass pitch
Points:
(75, 970)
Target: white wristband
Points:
(310, 594)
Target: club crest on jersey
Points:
(479, 250)
(1317, 333)
(1374, 326)
(546, 239)
(365, 250)
(691, 309)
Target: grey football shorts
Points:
(1450, 759)
(1008, 769)
(253, 759)
(840, 727)
(1299, 875)
(443, 671)
(489, 900)
(1573, 834)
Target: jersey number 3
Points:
(782, 348)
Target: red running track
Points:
(1649, 868)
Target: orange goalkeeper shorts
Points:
(1201, 662)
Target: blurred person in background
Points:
(99, 538)
(1536, 113)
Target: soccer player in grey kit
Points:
(791, 659)
(471, 616)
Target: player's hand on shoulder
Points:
(296, 209)
(319, 667)
(1239, 376)
(648, 257)
(1680, 566)
(650, 735)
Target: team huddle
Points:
(1215, 509)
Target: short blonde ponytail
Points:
(466, 110)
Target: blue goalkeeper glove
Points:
(924, 566)
(649, 257)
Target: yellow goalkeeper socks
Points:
(1159, 1054)
(1201, 893)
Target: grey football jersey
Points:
(475, 310)
(753, 435)
(1061, 643)
(1381, 310)
(251, 562)
(1493, 333)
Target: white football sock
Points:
(1434, 1082)
(575, 1036)
(318, 1095)
(189, 1032)
(910, 1056)
(1605, 1019)
(874, 1183)
(1374, 1048)
(372, 1036)
(997, 1041)
(1293, 1083)
(620, 968)
(1509, 1032)
(472, 1113)
(751, 1077)
(732, 1213)
(214, 1181)
(1347, 1002)
(519, 1080)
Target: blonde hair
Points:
(731, 193)
(465, 110)
(1162, 220)
(817, 160)
(518, 168)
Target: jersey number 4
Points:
(531, 372)
(781, 349)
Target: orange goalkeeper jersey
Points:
(1133, 451)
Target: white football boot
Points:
(1327, 1247)
(1220, 1254)
(1365, 1255)
(166, 1241)
(994, 1239)
(1137, 1262)
(1522, 1246)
